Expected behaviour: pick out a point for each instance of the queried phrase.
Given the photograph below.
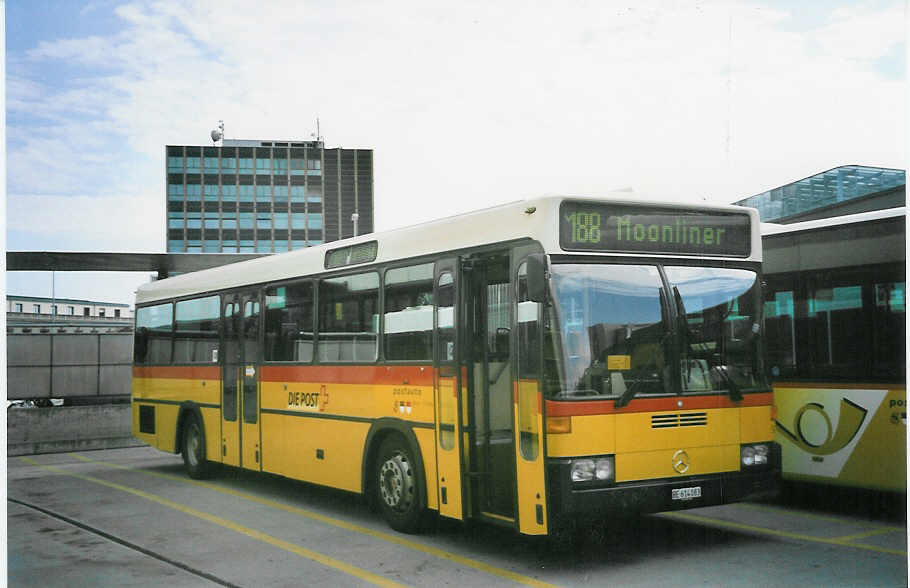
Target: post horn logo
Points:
(680, 461)
(851, 419)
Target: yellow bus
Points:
(532, 365)
(835, 325)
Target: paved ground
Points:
(131, 517)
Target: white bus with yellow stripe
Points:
(534, 365)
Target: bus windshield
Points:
(616, 337)
(719, 335)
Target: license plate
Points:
(686, 493)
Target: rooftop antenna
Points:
(317, 135)
(218, 133)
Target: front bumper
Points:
(656, 495)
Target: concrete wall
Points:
(68, 428)
(68, 365)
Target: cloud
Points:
(487, 103)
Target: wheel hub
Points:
(396, 484)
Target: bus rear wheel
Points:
(194, 449)
(396, 486)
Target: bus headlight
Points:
(599, 469)
(754, 455)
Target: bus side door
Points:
(448, 392)
(230, 366)
(528, 400)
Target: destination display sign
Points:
(625, 228)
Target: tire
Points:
(396, 486)
(193, 449)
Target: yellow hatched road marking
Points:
(766, 531)
(872, 533)
(805, 515)
(252, 533)
(428, 549)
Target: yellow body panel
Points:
(591, 435)
(426, 438)
(646, 465)
(448, 462)
(756, 424)
(532, 491)
(634, 432)
(292, 445)
(852, 435)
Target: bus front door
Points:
(240, 403)
(487, 326)
(448, 394)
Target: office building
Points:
(252, 196)
(33, 314)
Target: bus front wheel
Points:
(194, 449)
(396, 486)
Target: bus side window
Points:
(289, 323)
(408, 313)
(349, 318)
(154, 330)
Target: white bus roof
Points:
(768, 229)
(535, 218)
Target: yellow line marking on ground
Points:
(252, 533)
(872, 533)
(400, 540)
(765, 531)
(807, 515)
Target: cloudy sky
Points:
(466, 104)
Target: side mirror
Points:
(537, 277)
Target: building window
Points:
(102, 313)
(315, 220)
(86, 311)
(228, 193)
(71, 310)
(18, 307)
(116, 313)
(36, 308)
(55, 309)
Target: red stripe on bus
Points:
(181, 372)
(591, 407)
(350, 374)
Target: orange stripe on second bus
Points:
(387, 375)
(589, 407)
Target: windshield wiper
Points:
(627, 395)
(736, 393)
